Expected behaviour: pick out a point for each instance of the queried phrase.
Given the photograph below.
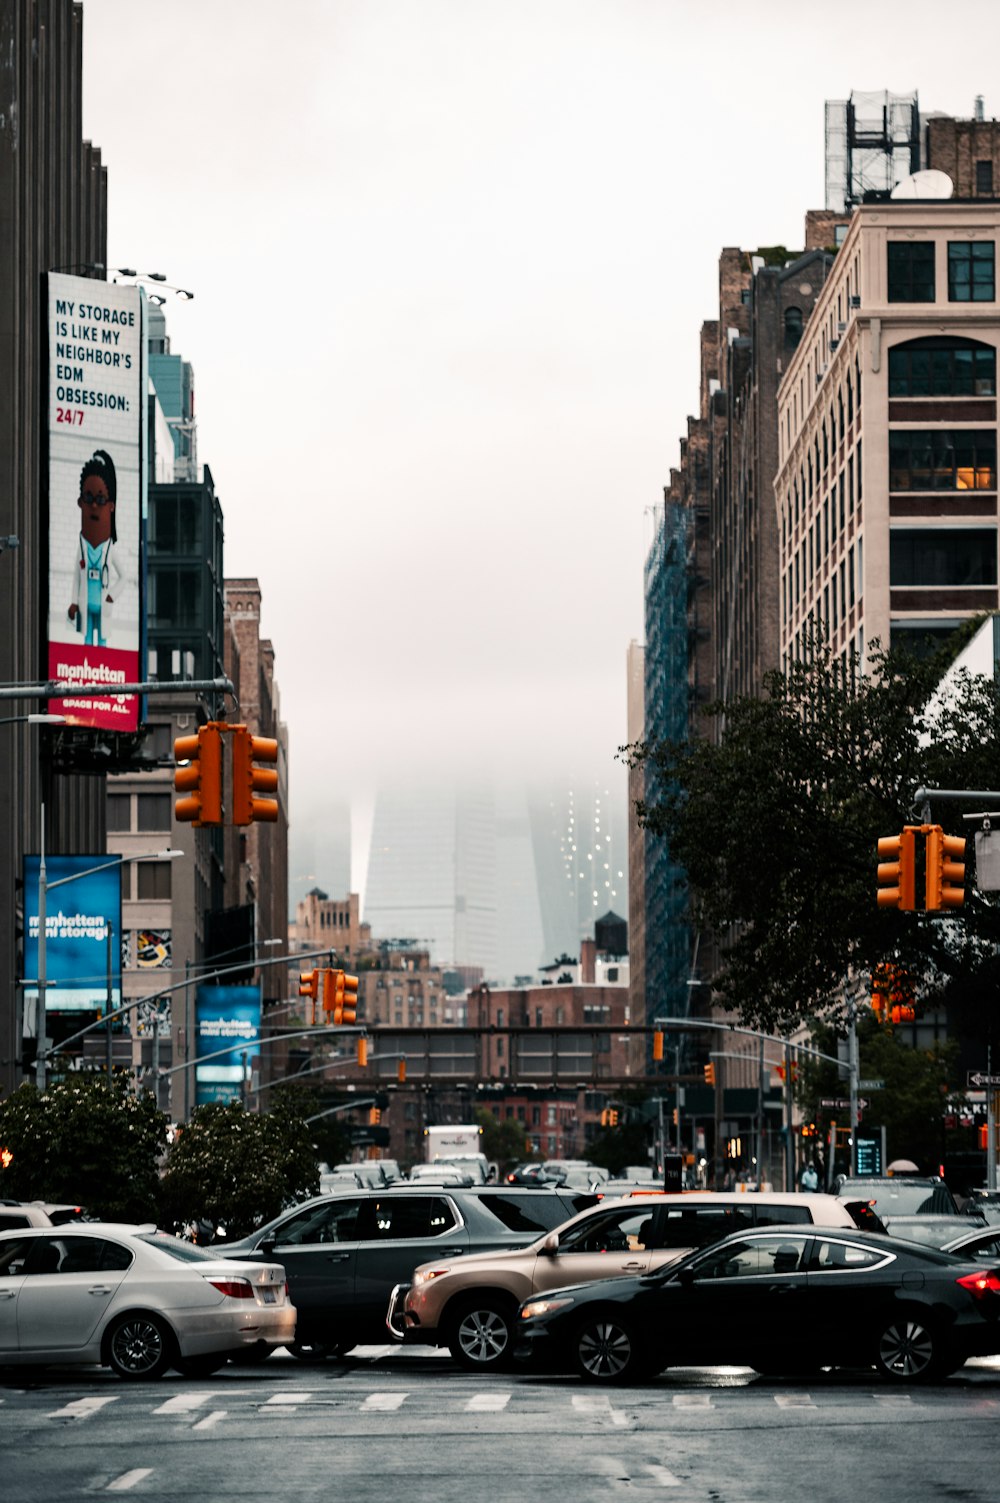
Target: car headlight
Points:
(542, 1307)
(424, 1275)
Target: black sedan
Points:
(782, 1300)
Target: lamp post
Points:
(44, 888)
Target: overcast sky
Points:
(450, 260)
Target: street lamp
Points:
(44, 888)
(34, 719)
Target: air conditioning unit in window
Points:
(855, 301)
(841, 328)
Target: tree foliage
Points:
(237, 1168)
(504, 1143)
(86, 1141)
(776, 822)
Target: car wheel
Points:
(607, 1351)
(201, 1367)
(481, 1335)
(139, 1346)
(908, 1350)
(308, 1350)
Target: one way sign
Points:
(983, 1081)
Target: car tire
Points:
(481, 1336)
(607, 1350)
(139, 1346)
(909, 1350)
(308, 1350)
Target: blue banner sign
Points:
(228, 1040)
(83, 907)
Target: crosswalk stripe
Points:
(82, 1408)
(293, 1396)
(210, 1420)
(129, 1479)
(384, 1400)
(664, 1476)
(183, 1403)
(481, 1402)
(599, 1404)
(794, 1401)
(692, 1401)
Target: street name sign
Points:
(983, 1081)
(871, 1085)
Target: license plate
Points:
(270, 1296)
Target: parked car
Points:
(344, 1253)
(469, 1304)
(905, 1195)
(16, 1215)
(784, 1300)
(935, 1231)
(979, 1242)
(134, 1299)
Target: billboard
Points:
(81, 913)
(226, 1018)
(96, 493)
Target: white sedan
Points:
(136, 1300)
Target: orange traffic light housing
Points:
(362, 1051)
(710, 1074)
(250, 782)
(401, 1072)
(944, 873)
(374, 1115)
(897, 876)
(200, 780)
(348, 998)
(658, 1043)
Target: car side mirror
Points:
(267, 1247)
(551, 1244)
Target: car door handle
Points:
(337, 1257)
(633, 1264)
(99, 1289)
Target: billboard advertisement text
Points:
(227, 1018)
(80, 915)
(96, 424)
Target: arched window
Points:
(840, 415)
(793, 328)
(942, 365)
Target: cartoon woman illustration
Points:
(98, 572)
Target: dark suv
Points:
(344, 1254)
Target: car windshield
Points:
(900, 1197)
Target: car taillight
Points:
(987, 1282)
(235, 1288)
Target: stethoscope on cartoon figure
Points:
(98, 572)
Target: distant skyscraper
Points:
(580, 836)
(432, 874)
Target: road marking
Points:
(893, 1398)
(183, 1403)
(599, 1405)
(663, 1476)
(794, 1401)
(280, 1400)
(487, 1401)
(129, 1479)
(692, 1401)
(82, 1408)
(210, 1420)
(384, 1400)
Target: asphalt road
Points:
(390, 1425)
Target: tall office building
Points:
(432, 874)
(580, 837)
(53, 212)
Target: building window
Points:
(911, 271)
(793, 328)
(939, 556)
(154, 811)
(938, 460)
(971, 272)
(154, 880)
(119, 814)
(942, 366)
(984, 179)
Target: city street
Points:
(388, 1421)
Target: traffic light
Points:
(309, 987)
(897, 877)
(984, 1136)
(658, 1043)
(401, 1072)
(901, 1014)
(675, 1116)
(605, 1115)
(362, 1051)
(348, 992)
(945, 871)
(201, 779)
(250, 781)
(613, 1117)
(374, 1116)
(710, 1074)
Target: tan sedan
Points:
(469, 1304)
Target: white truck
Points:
(458, 1144)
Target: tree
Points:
(504, 1143)
(776, 823)
(917, 1081)
(238, 1168)
(86, 1141)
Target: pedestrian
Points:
(809, 1179)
